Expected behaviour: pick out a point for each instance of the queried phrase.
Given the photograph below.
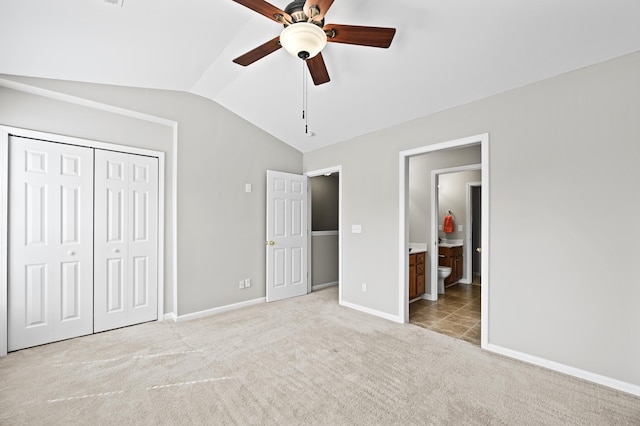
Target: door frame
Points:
(320, 172)
(5, 133)
(403, 221)
(468, 267)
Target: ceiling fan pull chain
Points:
(303, 93)
(305, 85)
(306, 98)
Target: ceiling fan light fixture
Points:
(303, 39)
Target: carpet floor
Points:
(299, 361)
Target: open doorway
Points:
(406, 231)
(454, 306)
(325, 260)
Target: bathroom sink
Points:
(417, 248)
(450, 243)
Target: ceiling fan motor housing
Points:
(295, 9)
(304, 38)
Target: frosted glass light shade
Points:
(303, 40)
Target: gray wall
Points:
(221, 229)
(324, 258)
(564, 169)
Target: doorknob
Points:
(479, 250)
(116, 250)
(71, 253)
(271, 243)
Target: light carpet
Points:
(299, 361)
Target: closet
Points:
(83, 241)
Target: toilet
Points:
(443, 273)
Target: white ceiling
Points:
(445, 53)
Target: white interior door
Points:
(50, 288)
(287, 235)
(126, 240)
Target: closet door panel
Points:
(50, 289)
(126, 206)
(111, 206)
(143, 243)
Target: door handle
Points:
(271, 243)
(479, 250)
(116, 250)
(71, 253)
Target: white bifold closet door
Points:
(126, 240)
(50, 288)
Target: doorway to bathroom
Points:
(475, 148)
(453, 307)
(451, 190)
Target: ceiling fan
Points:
(305, 34)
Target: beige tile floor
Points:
(456, 313)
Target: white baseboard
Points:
(394, 318)
(219, 310)
(170, 317)
(325, 285)
(571, 371)
(427, 296)
(325, 233)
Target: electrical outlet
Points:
(364, 287)
(241, 284)
(247, 283)
(460, 228)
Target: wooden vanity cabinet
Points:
(417, 282)
(451, 257)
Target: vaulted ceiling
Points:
(445, 53)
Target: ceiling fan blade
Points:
(362, 36)
(259, 52)
(264, 8)
(318, 70)
(322, 5)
